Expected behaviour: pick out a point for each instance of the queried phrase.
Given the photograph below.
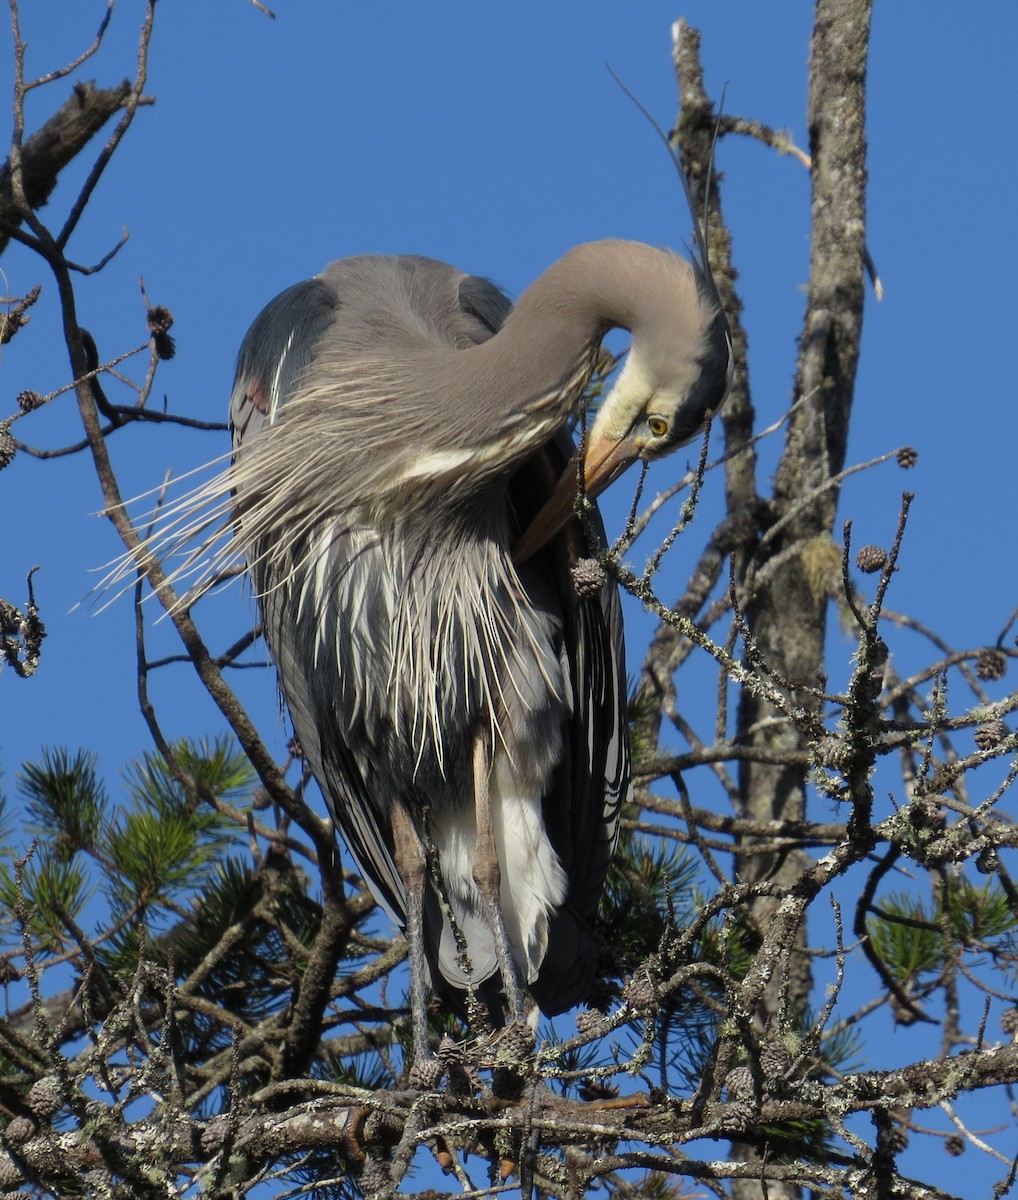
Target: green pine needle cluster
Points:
(918, 938)
(143, 856)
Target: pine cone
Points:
(425, 1074)
(774, 1059)
(991, 664)
(45, 1096)
(452, 1057)
(10, 1173)
(20, 1129)
(450, 1052)
(588, 1021)
(516, 1042)
(215, 1133)
(1009, 1021)
(908, 456)
(640, 991)
(8, 446)
(989, 733)
(160, 319)
(987, 860)
(739, 1082)
(870, 559)
(954, 1145)
(736, 1116)
(898, 1139)
(589, 577)
(29, 400)
(374, 1177)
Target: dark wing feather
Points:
(480, 298)
(583, 807)
(271, 364)
(312, 704)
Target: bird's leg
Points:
(488, 876)
(412, 865)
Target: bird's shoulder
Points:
(403, 299)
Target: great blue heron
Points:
(404, 494)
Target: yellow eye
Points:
(658, 426)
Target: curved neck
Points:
(524, 382)
(437, 424)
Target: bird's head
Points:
(670, 384)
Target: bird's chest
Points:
(437, 642)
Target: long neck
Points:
(595, 287)
(523, 383)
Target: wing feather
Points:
(584, 805)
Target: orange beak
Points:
(604, 462)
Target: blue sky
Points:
(496, 140)
(493, 137)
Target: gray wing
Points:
(273, 358)
(272, 364)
